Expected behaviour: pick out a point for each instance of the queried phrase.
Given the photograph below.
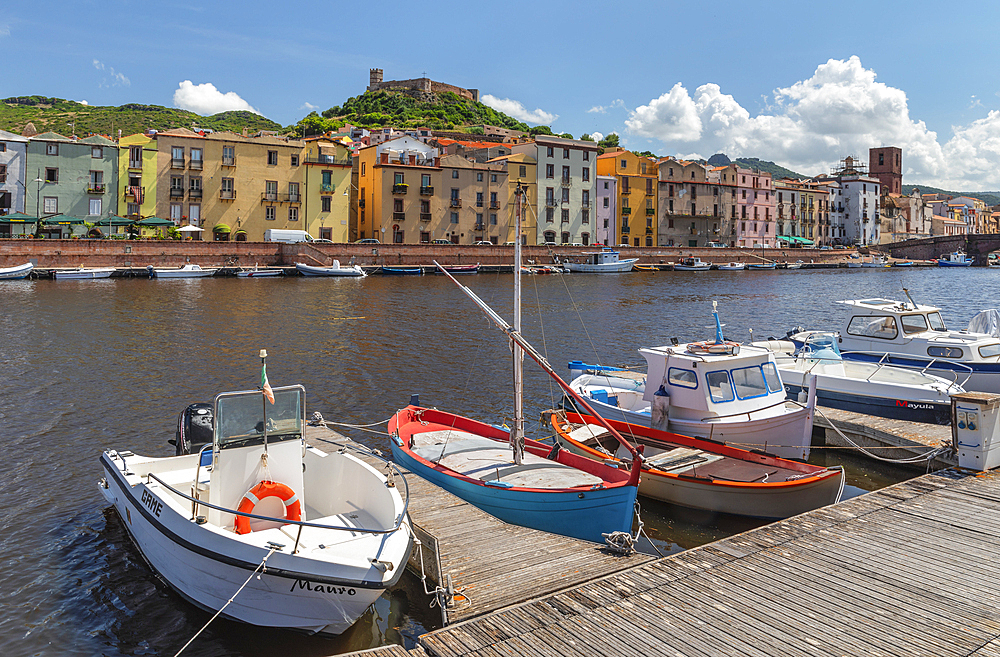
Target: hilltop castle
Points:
(426, 85)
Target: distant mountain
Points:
(68, 117)
(777, 171)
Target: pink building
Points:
(755, 221)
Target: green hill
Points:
(407, 109)
(68, 117)
(776, 170)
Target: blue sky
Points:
(802, 84)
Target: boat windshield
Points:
(913, 323)
(936, 322)
(241, 417)
(822, 346)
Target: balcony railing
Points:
(456, 202)
(96, 188)
(292, 197)
(626, 190)
(425, 216)
(551, 203)
(494, 205)
(585, 205)
(398, 216)
(566, 181)
(327, 188)
(227, 194)
(650, 211)
(176, 192)
(177, 163)
(194, 193)
(197, 165)
(400, 188)
(626, 210)
(269, 196)
(426, 191)
(135, 164)
(130, 192)
(228, 160)
(328, 159)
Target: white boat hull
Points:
(84, 273)
(337, 270)
(187, 271)
(705, 267)
(16, 273)
(259, 273)
(618, 267)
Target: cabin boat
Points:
(16, 273)
(862, 387)
(187, 271)
(912, 335)
(333, 270)
(605, 261)
(692, 264)
(877, 261)
(794, 265)
(955, 259)
(314, 538)
(85, 273)
(732, 266)
(702, 474)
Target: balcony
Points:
(177, 163)
(96, 188)
(626, 210)
(227, 194)
(585, 205)
(626, 190)
(176, 192)
(650, 211)
(566, 181)
(292, 197)
(398, 216)
(130, 192)
(425, 216)
(456, 202)
(194, 193)
(400, 188)
(494, 205)
(327, 188)
(271, 197)
(328, 159)
(426, 191)
(196, 165)
(625, 228)
(135, 165)
(228, 160)
(550, 203)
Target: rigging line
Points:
(263, 561)
(590, 339)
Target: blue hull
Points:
(578, 514)
(896, 409)
(401, 271)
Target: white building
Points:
(605, 214)
(13, 166)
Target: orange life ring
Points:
(710, 347)
(293, 507)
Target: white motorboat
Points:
(605, 261)
(290, 536)
(187, 271)
(863, 387)
(333, 270)
(16, 273)
(692, 264)
(257, 272)
(715, 389)
(794, 265)
(763, 265)
(732, 266)
(915, 336)
(83, 273)
(877, 261)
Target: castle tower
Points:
(886, 164)
(374, 78)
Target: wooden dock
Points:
(887, 438)
(490, 564)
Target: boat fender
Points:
(293, 507)
(553, 454)
(660, 410)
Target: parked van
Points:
(278, 235)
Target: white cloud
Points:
(205, 99)
(117, 79)
(518, 111)
(4, 30)
(840, 110)
(83, 102)
(309, 106)
(596, 136)
(603, 109)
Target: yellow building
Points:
(327, 187)
(137, 176)
(396, 197)
(521, 170)
(638, 189)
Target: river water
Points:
(93, 364)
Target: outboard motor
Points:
(195, 426)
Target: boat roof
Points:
(747, 352)
(889, 305)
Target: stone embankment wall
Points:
(168, 253)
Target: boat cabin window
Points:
(749, 382)
(936, 322)
(989, 350)
(240, 418)
(720, 388)
(945, 352)
(771, 378)
(873, 326)
(913, 323)
(682, 378)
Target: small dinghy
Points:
(333, 270)
(256, 524)
(85, 273)
(16, 273)
(187, 271)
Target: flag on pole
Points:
(264, 385)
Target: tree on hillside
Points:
(540, 130)
(611, 141)
(586, 137)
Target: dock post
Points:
(975, 429)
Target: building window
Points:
(95, 206)
(493, 218)
(293, 192)
(479, 221)
(607, 202)
(271, 190)
(196, 158)
(479, 176)
(586, 156)
(175, 212)
(585, 215)
(454, 173)
(272, 158)
(550, 171)
(51, 175)
(3, 173)
(479, 199)
(565, 215)
(269, 213)
(425, 237)
(50, 205)
(624, 164)
(194, 214)
(523, 171)
(325, 202)
(565, 153)
(585, 175)
(293, 213)
(97, 152)
(133, 209)
(397, 205)
(549, 151)
(454, 217)
(295, 160)
(493, 177)
(565, 174)
(549, 215)
(52, 149)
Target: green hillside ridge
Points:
(68, 117)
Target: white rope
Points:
(259, 566)
(926, 456)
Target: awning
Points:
(18, 218)
(115, 221)
(61, 220)
(794, 240)
(222, 228)
(154, 221)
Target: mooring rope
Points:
(926, 456)
(261, 565)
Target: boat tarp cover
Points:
(986, 321)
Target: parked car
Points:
(826, 247)
(715, 245)
(322, 241)
(548, 244)
(840, 246)
(368, 240)
(483, 243)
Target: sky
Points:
(800, 83)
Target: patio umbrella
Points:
(18, 218)
(154, 221)
(115, 221)
(190, 229)
(62, 219)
